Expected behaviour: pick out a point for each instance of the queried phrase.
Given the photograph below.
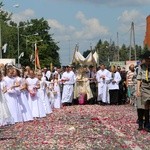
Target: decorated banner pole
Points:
(37, 61)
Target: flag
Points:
(31, 57)
(51, 66)
(4, 48)
(37, 61)
(21, 55)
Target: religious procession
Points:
(67, 82)
(28, 94)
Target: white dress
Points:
(5, 116)
(35, 103)
(49, 95)
(57, 94)
(42, 97)
(12, 99)
(23, 101)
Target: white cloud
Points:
(128, 16)
(91, 27)
(56, 25)
(68, 36)
(117, 2)
(125, 20)
(128, 2)
(23, 16)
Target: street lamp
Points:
(27, 36)
(18, 30)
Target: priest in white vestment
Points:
(68, 79)
(103, 78)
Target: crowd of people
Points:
(27, 94)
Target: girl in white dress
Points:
(41, 92)
(49, 95)
(22, 98)
(11, 95)
(5, 116)
(35, 103)
(56, 91)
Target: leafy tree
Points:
(86, 53)
(48, 49)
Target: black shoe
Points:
(137, 121)
(140, 128)
(99, 103)
(147, 129)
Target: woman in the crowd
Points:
(130, 84)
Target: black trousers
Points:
(114, 94)
(94, 92)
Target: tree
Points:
(86, 53)
(123, 53)
(48, 49)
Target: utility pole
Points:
(132, 41)
(118, 46)
(109, 49)
(91, 47)
(69, 52)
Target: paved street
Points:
(86, 127)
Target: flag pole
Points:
(35, 56)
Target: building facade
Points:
(147, 33)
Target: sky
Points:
(85, 22)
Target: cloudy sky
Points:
(84, 22)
